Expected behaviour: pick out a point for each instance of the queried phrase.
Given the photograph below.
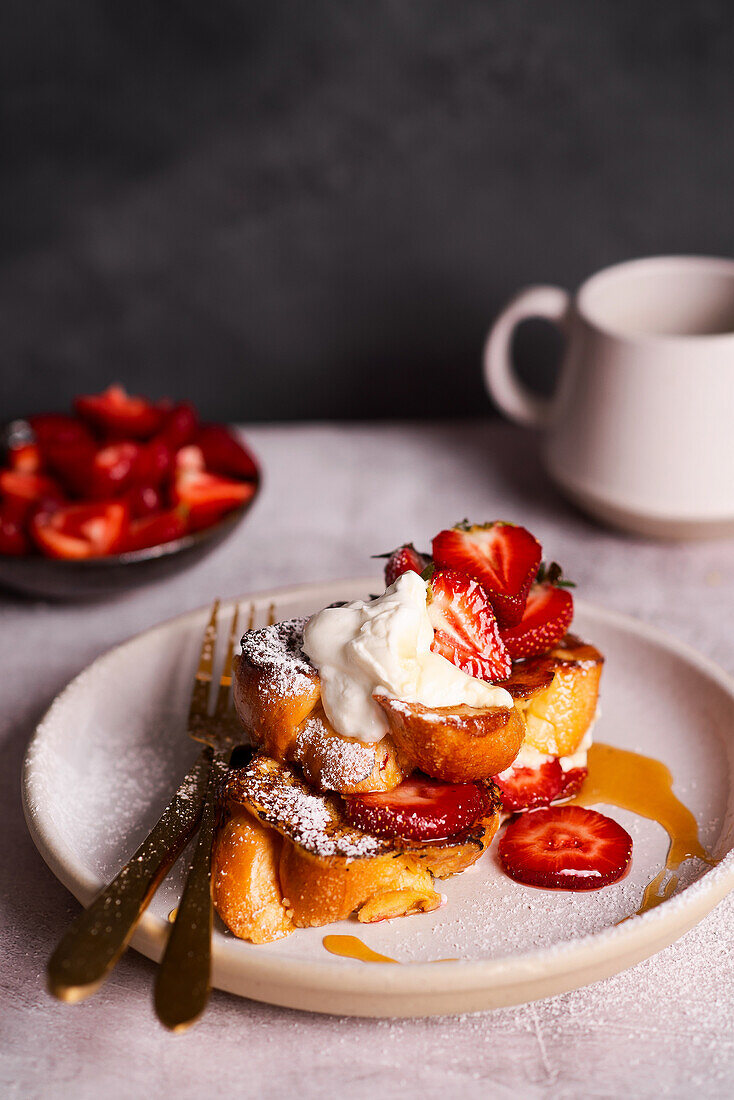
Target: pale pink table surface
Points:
(333, 495)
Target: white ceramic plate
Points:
(110, 751)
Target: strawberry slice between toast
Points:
(419, 808)
(527, 788)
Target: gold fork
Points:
(98, 936)
(183, 982)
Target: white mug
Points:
(640, 430)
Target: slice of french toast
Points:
(278, 698)
(284, 857)
(557, 695)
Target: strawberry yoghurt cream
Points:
(383, 647)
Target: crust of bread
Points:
(555, 700)
(275, 871)
(245, 881)
(558, 715)
(456, 744)
(331, 762)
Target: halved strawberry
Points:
(527, 788)
(180, 425)
(72, 463)
(143, 501)
(547, 617)
(573, 781)
(153, 462)
(565, 848)
(58, 430)
(153, 531)
(80, 530)
(23, 491)
(502, 557)
(405, 559)
(25, 458)
(465, 627)
(223, 454)
(208, 496)
(419, 809)
(190, 457)
(112, 470)
(117, 414)
(13, 537)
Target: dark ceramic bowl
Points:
(89, 578)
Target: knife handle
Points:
(98, 936)
(183, 981)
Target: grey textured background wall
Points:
(310, 208)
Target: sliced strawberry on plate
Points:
(465, 627)
(116, 414)
(573, 781)
(80, 530)
(547, 617)
(153, 531)
(502, 557)
(208, 496)
(406, 559)
(527, 788)
(223, 454)
(565, 848)
(419, 809)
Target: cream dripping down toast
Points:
(390, 734)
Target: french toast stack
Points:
(319, 826)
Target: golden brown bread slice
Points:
(557, 695)
(284, 858)
(457, 744)
(278, 698)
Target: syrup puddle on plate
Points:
(352, 947)
(643, 785)
(630, 781)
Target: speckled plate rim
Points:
(413, 989)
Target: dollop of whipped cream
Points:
(383, 647)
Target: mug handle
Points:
(515, 399)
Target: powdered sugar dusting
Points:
(345, 764)
(277, 650)
(280, 798)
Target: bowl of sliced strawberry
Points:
(120, 492)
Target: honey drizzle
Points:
(643, 785)
(351, 947)
(630, 781)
